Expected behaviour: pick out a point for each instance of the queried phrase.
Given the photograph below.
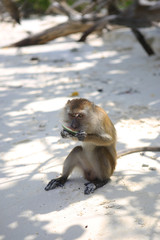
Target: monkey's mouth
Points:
(69, 129)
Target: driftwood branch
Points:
(139, 36)
(60, 30)
(61, 7)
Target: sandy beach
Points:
(114, 72)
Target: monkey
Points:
(89, 124)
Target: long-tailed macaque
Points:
(90, 124)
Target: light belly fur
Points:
(90, 164)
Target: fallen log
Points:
(60, 30)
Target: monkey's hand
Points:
(66, 134)
(81, 135)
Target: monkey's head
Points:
(78, 113)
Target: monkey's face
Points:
(77, 113)
(75, 119)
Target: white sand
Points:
(32, 94)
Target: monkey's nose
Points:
(74, 124)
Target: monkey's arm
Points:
(99, 140)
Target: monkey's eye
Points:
(76, 115)
(80, 115)
(72, 115)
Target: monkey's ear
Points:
(68, 101)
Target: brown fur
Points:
(97, 157)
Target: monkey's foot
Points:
(54, 183)
(92, 186)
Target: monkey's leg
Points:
(92, 186)
(70, 162)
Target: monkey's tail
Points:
(122, 153)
